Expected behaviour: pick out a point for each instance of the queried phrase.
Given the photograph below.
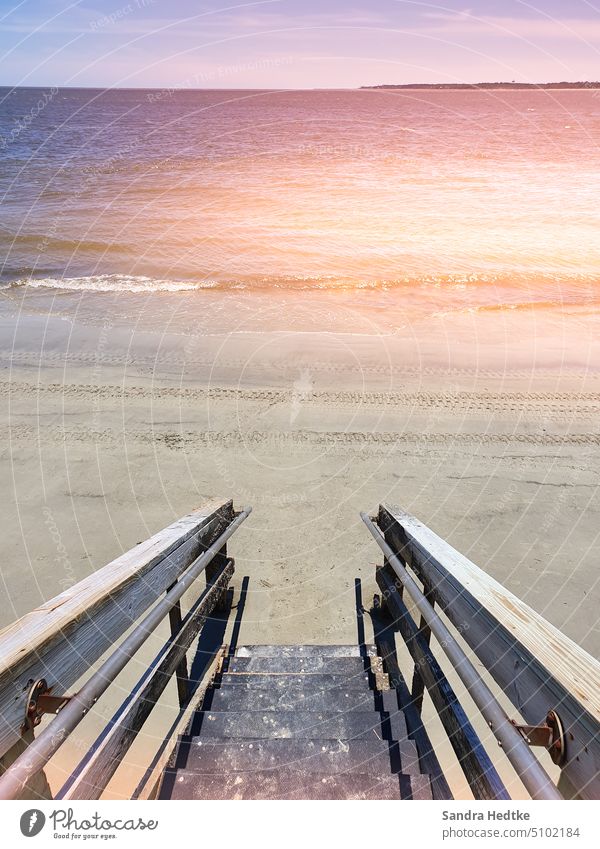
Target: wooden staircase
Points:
(294, 722)
(297, 722)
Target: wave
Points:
(143, 283)
(576, 289)
(108, 283)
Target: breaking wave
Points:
(502, 291)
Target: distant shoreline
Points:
(486, 86)
(385, 87)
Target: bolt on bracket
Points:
(39, 702)
(550, 735)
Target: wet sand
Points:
(109, 435)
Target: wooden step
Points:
(299, 696)
(299, 724)
(306, 651)
(304, 682)
(243, 698)
(347, 666)
(283, 784)
(377, 757)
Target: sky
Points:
(295, 43)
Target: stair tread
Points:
(311, 755)
(287, 724)
(306, 651)
(298, 722)
(264, 698)
(316, 681)
(283, 784)
(347, 666)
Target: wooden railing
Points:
(59, 641)
(539, 669)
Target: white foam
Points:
(115, 283)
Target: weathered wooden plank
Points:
(92, 775)
(484, 781)
(538, 667)
(418, 684)
(213, 569)
(62, 638)
(299, 724)
(149, 786)
(310, 681)
(264, 698)
(373, 756)
(181, 673)
(383, 627)
(349, 666)
(305, 651)
(283, 784)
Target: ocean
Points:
(421, 200)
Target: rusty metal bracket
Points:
(39, 702)
(550, 735)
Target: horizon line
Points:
(375, 87)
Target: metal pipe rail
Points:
(530, 771)
(35, 757)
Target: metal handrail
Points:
(530, 771)
(35, 757)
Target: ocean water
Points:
(488, 199)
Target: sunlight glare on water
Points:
(494, 192)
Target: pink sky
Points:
(294, 43)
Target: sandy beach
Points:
(110, 435)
